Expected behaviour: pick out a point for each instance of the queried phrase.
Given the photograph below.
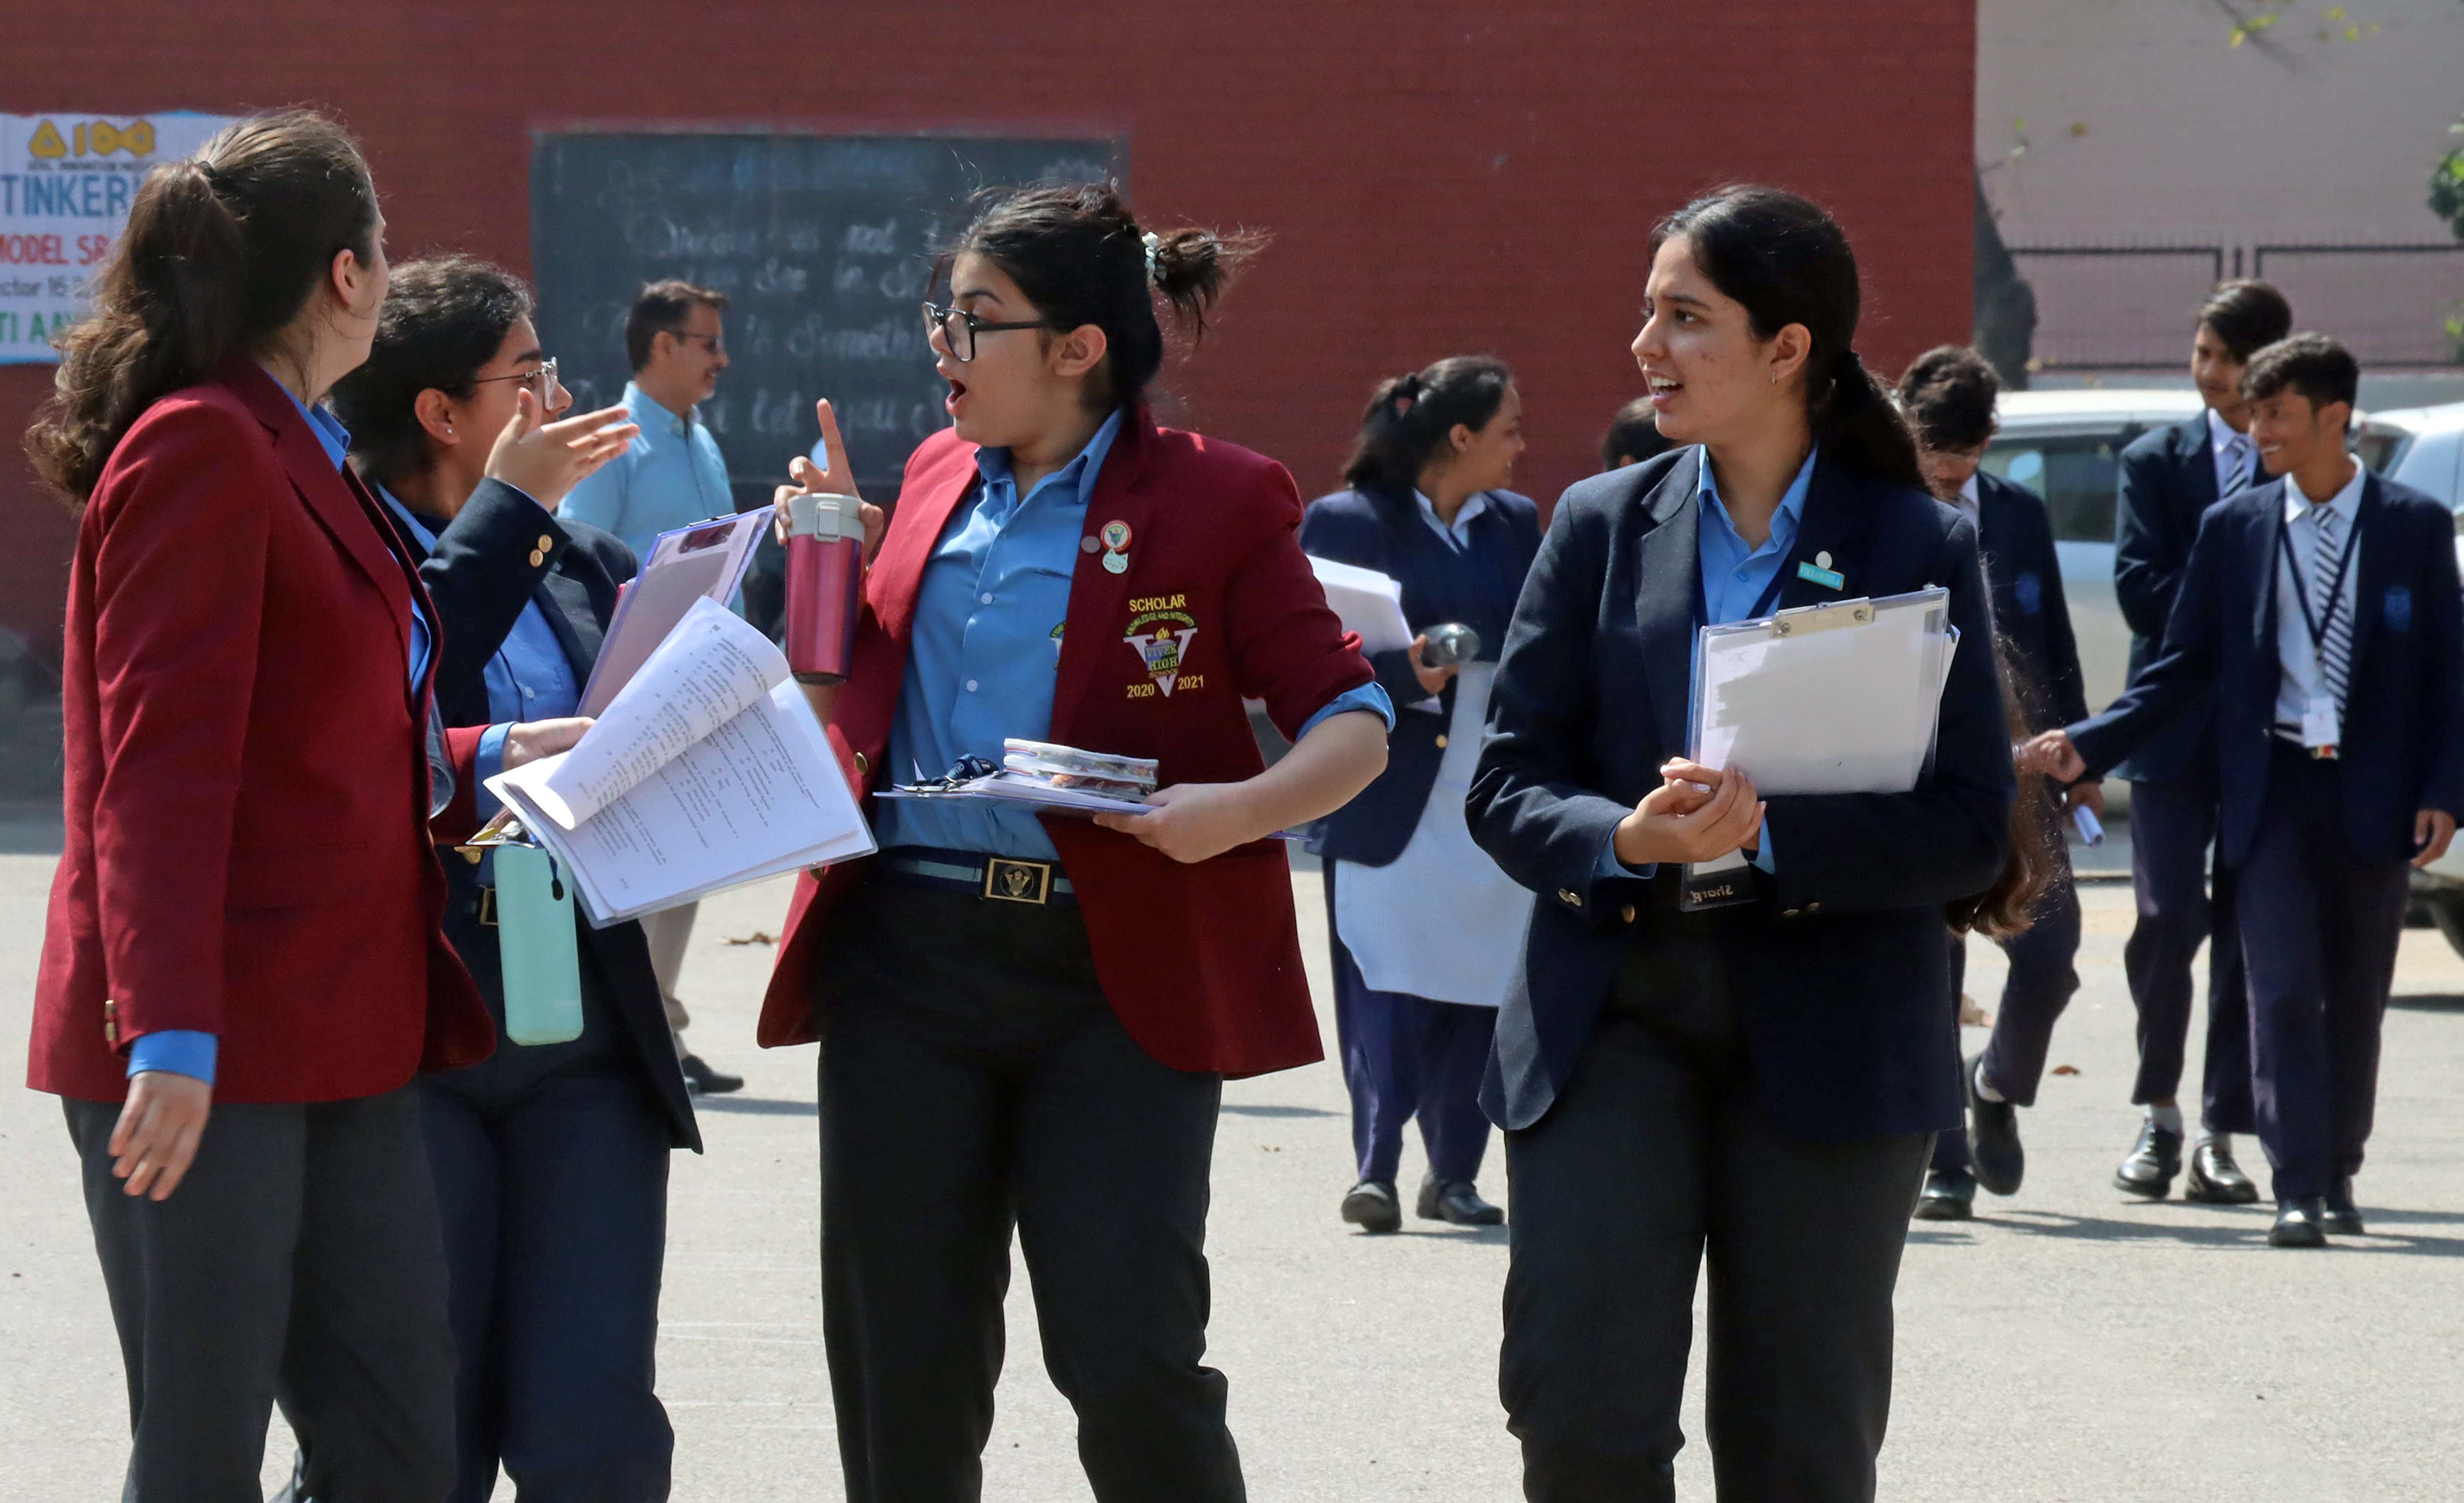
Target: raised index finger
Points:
(842, 476)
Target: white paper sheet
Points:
(1841, 709)
(1370, 603)
(1010, 788)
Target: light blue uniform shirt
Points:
(672, 475)
(529, 678)
(191, 1051)
(986, 650)
(1734, 574)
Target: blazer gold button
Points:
(473, 854)
(1569, 895)
(537, 558)
(1626, 912)
(1814, 907)
(1788, 913)
(111, 1023)
(547, 543)
(863, 766)
(1441, 743)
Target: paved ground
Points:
(2070, 1345)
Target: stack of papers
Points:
(1066, 768)
(1370, 604)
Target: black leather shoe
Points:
(2214, 1179)
(1994, 1139)
(703, 1081)
(2153, 1162)
(1457, 1201)
(1372, 1206)
(1948, 1195)
(2300, 1223)
(2344, 1218)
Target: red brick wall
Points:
(1439, 178)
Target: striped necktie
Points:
(2336, 637)
(2236, 464)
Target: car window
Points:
(2381, 448)
(2074, 474)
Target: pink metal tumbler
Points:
(825, 585)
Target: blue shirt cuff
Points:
(1368, 697)
(489, 761)
(182, 1051)
(1610, 866)
(1761, 857)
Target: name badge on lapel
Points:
(538, 948)
(1820, 572)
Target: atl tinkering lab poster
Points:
(66, 182)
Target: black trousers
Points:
(298, 1262)
(2181, 905)
(551, 1168)
(1653, 1161)
(973, 1081)
(2318, 929)
(2034, 992)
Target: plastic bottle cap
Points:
(824, 518)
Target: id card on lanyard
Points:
(536, 945)
(2322, 727)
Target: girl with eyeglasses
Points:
(1025, 1022)
(550, 1159)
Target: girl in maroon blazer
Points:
(1027, 1021)
(242, 969)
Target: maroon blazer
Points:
(246, 775)
(1203, 962)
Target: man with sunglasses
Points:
(672, 475)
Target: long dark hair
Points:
(221, 252)
(443, 320)
(1412, 417)
(1787, 262)
(2007, 907)
(1078, 254)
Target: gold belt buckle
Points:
(1012, 881)
(487, 908)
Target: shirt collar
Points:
(1968, 492)
(419, 529)
(2346, 500)
(650, 412)
(1078, 475)
(1792, 501)
(330, 433)
(1473, 506)
(2221, 435)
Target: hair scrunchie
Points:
(1152, 242)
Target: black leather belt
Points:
(1000, 879)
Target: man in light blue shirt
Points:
(671, 476)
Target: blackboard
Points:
(822, 245)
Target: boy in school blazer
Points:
(2323, 609)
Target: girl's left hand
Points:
(1190, 821)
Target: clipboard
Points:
(1839, 698)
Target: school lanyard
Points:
(2334, 588)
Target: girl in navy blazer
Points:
(1755, 1085)
(1422, 926)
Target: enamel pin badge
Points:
(1117, 547)
(1821, 573)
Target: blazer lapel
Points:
(2376, 561)
(1835, 523)
(2263, 544)
(2197, 457)
(567, 606)
(1097, 592)
(897, 575)
(1666, 585)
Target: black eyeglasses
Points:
(717, 342)
(958, 329)
(542, 382)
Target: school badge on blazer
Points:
(1160, 632)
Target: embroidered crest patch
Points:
(1160, 637)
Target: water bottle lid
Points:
(824, 518)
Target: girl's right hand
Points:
(1432, 679)
(545, 462)
(1696, 815)
(837, 478)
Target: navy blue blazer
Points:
(2030, 608)
(1386, 532)
(2403, 704)
(2168, 482)
(480, 577)
(1840, 974)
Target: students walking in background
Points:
(2320, 611)
(672, 475)
(2169, 479)
(1948, 395)
(1757, 1087)
(1426, 932)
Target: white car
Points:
(2066, 446)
